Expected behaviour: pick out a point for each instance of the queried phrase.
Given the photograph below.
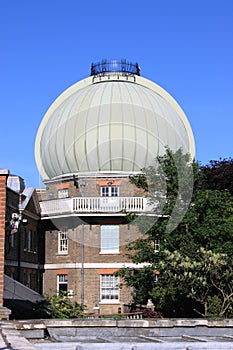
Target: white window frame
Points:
(156, 278)
(35, 242)
(109, 191)
(109, 289)
(62, 279)
(29, 280)
(156, 245)
(109, 239)
(63, 242)
(63, 193)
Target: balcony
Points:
(93, 205)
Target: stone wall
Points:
(3, 179)
(4, 312)
(89, 186)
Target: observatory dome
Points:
(114, 121)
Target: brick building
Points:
(95, 135)
(86, 237)
(4, 312)
(21, 247)
(23, 240)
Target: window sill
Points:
(109, 253)
(104, 302)
(66, 253)
(29, 251)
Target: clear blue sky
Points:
(186, 46)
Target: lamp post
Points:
(15, 225)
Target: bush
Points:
(60, 306)
(148, 313)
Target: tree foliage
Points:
(61, 306)
(201, 238)
(205, 279)
(218, 175)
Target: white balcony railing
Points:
(94, 205)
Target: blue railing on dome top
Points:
(115, 66)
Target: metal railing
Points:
(122, 65)
(94, 205)
(125, 315)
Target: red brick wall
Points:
(3, 178)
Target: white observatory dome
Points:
(112, 122)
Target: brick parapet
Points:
(3, 182)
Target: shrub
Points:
(60, 306)
(148, 313)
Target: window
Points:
(109, 288)
(114, 191)
(63, 193)
(109, 239)
(51, 195)
(109, 191)
(156, 245)
(156, 278)
(62, 283)
(34, 241)
(12, 240)
(29, 240)
(63, 242)
(28, 283)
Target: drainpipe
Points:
(82, 187)
(82, 267)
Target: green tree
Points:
(202, 221)
(206, 279)
(217, 175)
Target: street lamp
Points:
(16, 219)
(15, 226)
